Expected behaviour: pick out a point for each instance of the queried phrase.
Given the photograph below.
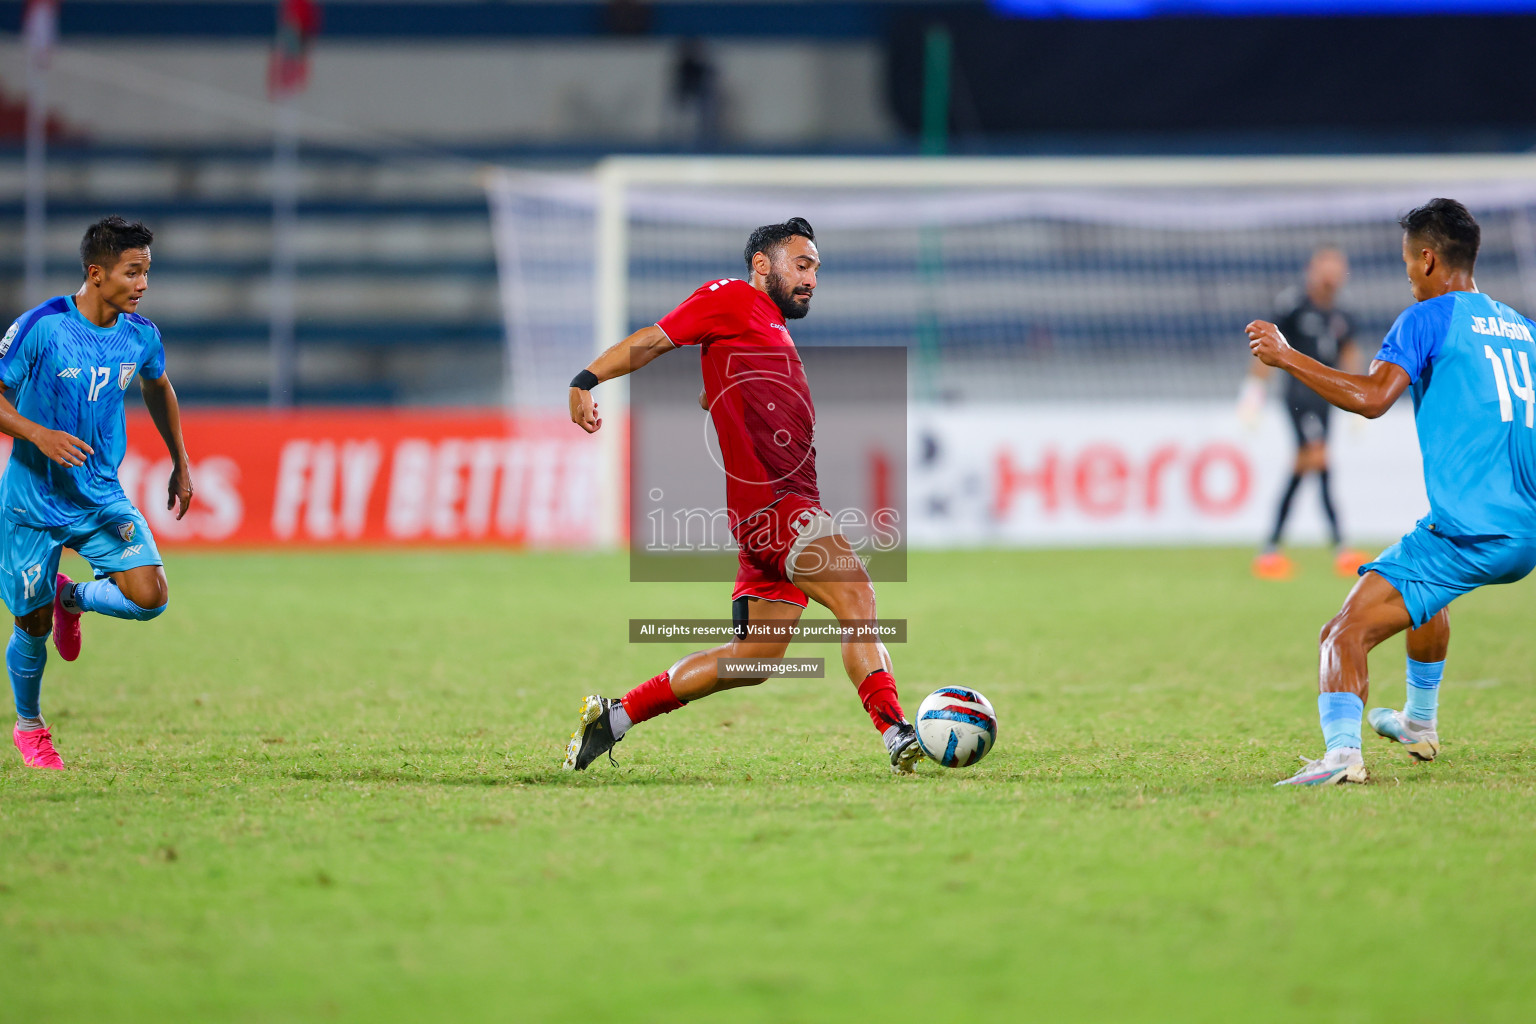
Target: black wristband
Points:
(586, 380)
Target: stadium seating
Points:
(397, 293)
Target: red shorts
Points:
(766, 541)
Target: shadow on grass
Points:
(425, 778)
(556, 778)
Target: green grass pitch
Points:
(326, 787)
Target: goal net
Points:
(1073, 329)
(1005, 279)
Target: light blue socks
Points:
(104, 597)
(25, 657)
(1423, 690)
(1340, 715)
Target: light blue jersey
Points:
(63, 372)
(1471, 360)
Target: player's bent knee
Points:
(759, 651)
(1344, 629)
(855, 601)
(150, 597)
(145, 614)
(1337, 630)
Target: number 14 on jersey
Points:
(1504, 377)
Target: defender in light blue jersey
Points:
(65, 369)
(1469, 361)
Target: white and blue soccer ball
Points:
(956, 726)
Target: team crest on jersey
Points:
(10, 336)
(125, 374)
(125, 531)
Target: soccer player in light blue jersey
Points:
(64, 369)
(1469, 361)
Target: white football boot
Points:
(1338, 766)
(1421, 738)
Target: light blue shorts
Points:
(112, 538)
(1431, 570)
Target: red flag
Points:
(297, 23)
(40, 26)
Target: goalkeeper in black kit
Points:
(1313, 323)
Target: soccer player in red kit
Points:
(790, 549)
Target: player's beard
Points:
(783, 296)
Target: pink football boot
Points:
(66, 624)
(36, 748)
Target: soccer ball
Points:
(956, 726)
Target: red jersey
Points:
(757, 393)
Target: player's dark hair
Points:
(1448, 228)
(108, 239)
(773, 236)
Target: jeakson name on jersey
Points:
(1498, 327)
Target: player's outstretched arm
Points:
(1369, 394)
(65, 449)
(625, 357)
(160, 400)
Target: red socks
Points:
(651, 698)
(878, 692)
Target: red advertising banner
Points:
(371, 478)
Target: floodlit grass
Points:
(327, 788)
